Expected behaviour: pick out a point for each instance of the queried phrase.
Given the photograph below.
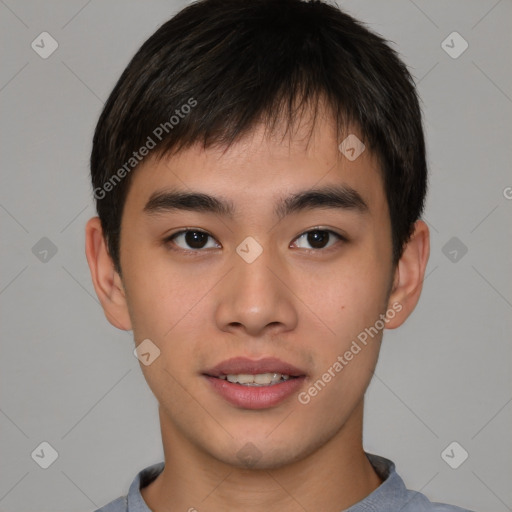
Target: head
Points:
(237, 120)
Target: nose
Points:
(257, 297)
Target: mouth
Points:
(250, 384)
(260, 379)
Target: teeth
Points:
(266, 378)
(262, 379)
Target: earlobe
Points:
(107, 282)
(409, 275)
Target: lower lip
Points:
(255, 397)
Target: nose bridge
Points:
(254, 281)
(254, 296)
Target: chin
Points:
(262, 453)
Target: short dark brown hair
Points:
(219, 67)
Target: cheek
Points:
(345, 355)
(348, 297)
(348, 300)
(166, 308)
(160, 294)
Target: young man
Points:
(259, 171)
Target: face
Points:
(254, 282)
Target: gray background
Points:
(69, 378)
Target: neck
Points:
(333, 477)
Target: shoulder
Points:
(118, 505)
(133, 501)
(417, 502)
(393, 495)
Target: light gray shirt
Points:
(390, 496)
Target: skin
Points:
(302, 305)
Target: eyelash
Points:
(169, 241)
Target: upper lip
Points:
(244, 365)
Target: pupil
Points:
(195, 239)
(318, 239)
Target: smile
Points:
(261, 379)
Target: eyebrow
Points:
(328, 197)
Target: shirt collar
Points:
(390, 496)
(135, 501)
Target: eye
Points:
(318, 239)
(191, 239)
(194, 240)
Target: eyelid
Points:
(341, 237)
(170, 238)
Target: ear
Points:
(107, 282)
(409, 275)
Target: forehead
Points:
(262, 166)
